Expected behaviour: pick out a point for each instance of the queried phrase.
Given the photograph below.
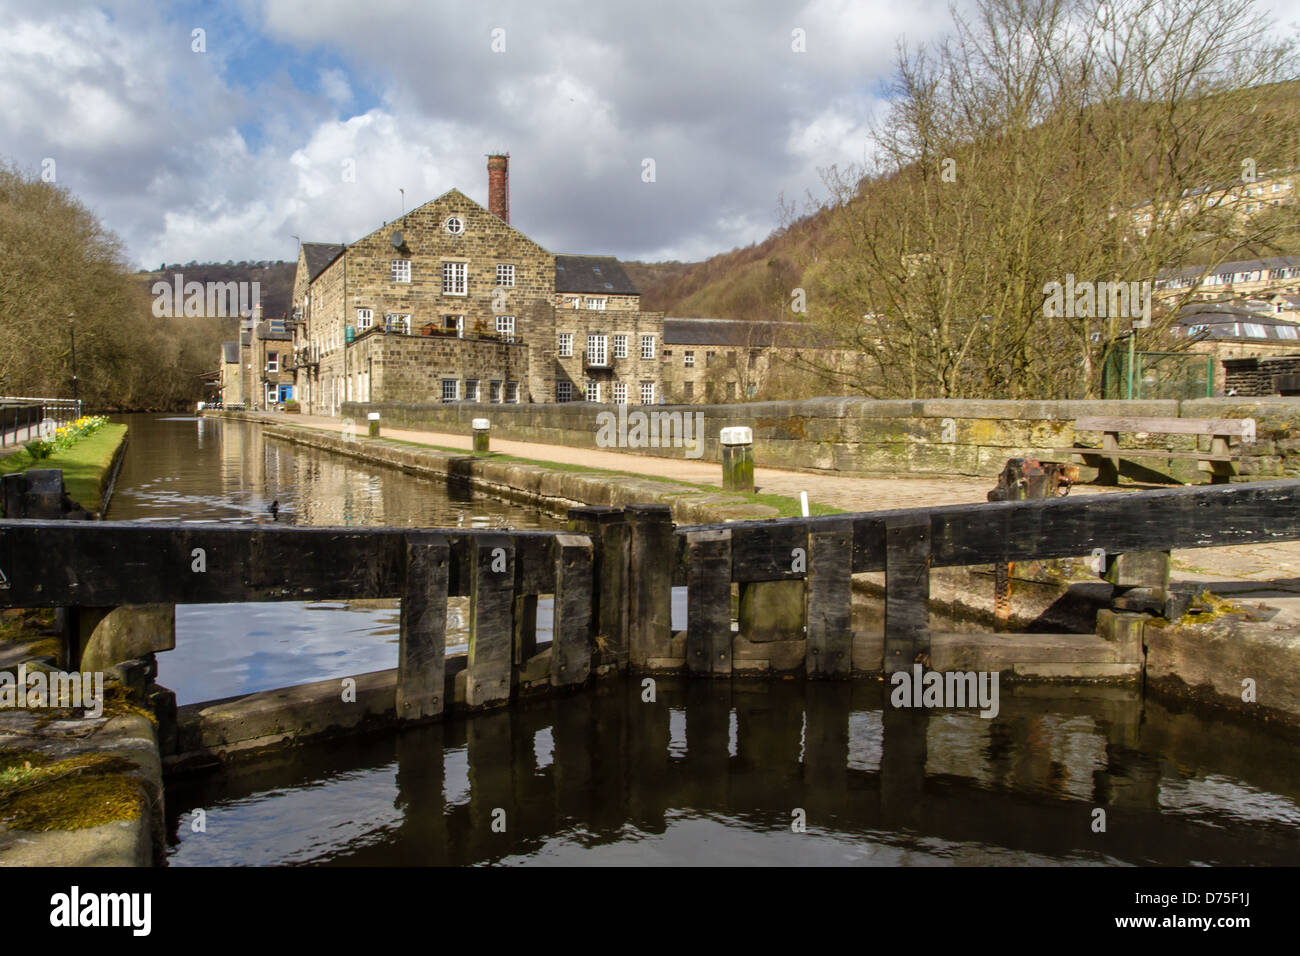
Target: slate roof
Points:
(265, 332)
(598, 274)
(741, 333)
(1241, 265)
(319, 255)
(230, 353)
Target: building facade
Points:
(451, 303)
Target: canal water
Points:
(726, 772)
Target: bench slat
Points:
(1169, 426)
(1143, 453)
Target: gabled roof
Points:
(598, 274)
(318, 255)
(230, 353)
(741, 333)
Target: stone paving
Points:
(1228, 570)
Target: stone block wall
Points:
(934, 437)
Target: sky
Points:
(204, 131)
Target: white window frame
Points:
(471, 389)
(564, 391)
(273, 361)
(620, 393)
(593, 391)
(597, 303)
(620, 346)
(455, 389)
(647, 388)
(506, 327)
(400, 270)
(455, 277)
(402, 321)
(1287, 332)
(505, 275)
(365, 318)
(494, 391)
(688, 358)
(597, 349)
(564, 345)
(1254, 330)
(647, 347)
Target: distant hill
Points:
(275, 279)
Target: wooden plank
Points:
(422, 647)
(491, 620)
(708, 603)
(651, 579)
(1144, 453)
(1202, 516)
(829, 599)
(108, 563)
(571, 644)
(907, 592)
(610, 536)
(1156, 426)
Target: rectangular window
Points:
(620, 393)
(647, 346)
(471, 390)
(596, 304)
(399, 322)
(709, 357)
(593, 391)
(620, 346)
(512, 393)
(273, 361)
(506, 327)
(454, 278)
(688, 359)
(401, 270)
(1255, 331)
(1286, 332)
(505, 276)
(566, 345)
(688, 390)
(564, 391)
(454, 323)
(598, 350)
(450, 389)
(494, 392)
(647, 393)
(365, 318)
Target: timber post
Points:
(571, 643)
(422, 648)
(829, 594)
(610, 534)
(708, 595)
(650, 595)
(490, 662)
(907, 591)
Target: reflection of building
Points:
(451, 303)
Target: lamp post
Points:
(72, 333)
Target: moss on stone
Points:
(88, 790)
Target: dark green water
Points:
(707, 773)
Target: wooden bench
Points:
(1218, 461)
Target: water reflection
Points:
(713, 772)
(194, 469)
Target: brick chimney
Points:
(499, 185)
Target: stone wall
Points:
(417, 364)
(933, 437)
(1254, 376)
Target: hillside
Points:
(275, 279)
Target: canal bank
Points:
(80, 785)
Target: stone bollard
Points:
(373, 418)
(482, 428)
(738, 459)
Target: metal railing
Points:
(21, 416)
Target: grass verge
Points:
(85, 465)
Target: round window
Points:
(454, 226)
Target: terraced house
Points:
(451, 303)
